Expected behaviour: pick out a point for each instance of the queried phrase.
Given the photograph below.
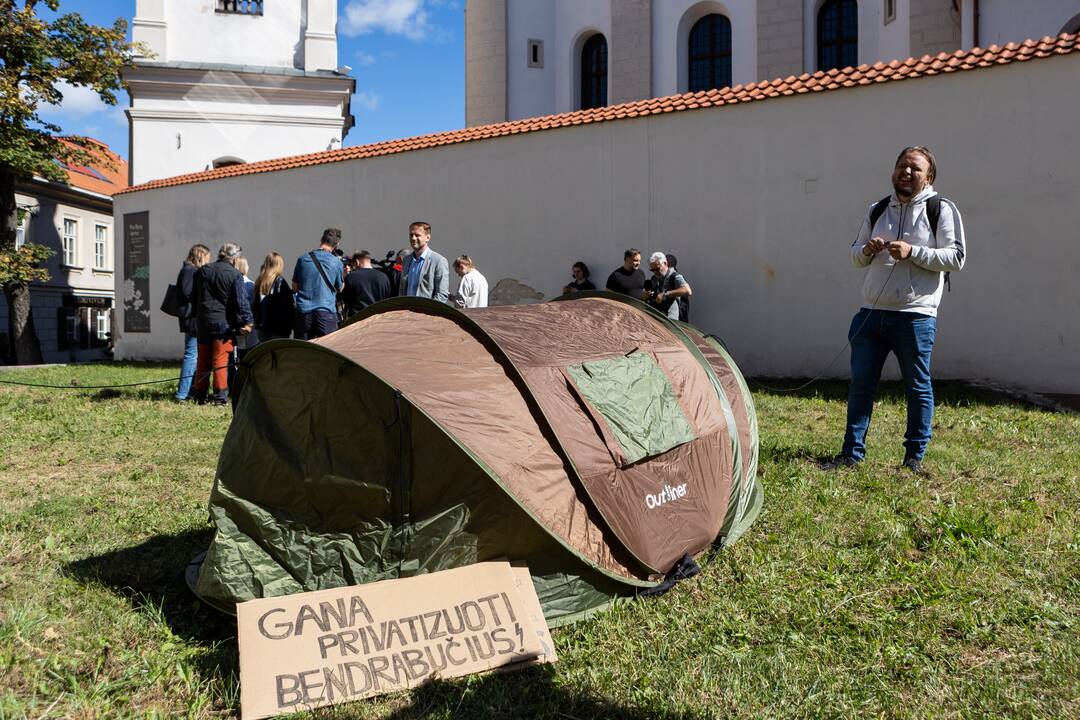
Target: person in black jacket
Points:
(221, 312)
(198, 256)
(364, 285)
(273, 302)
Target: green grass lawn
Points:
(869, 592)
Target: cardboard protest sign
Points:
(524, 585)
(332, 646)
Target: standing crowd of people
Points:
(667, 291)
(223, 313)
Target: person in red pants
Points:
(222, 312)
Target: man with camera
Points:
(907, 244)
(666, 286)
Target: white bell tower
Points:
(233, 81)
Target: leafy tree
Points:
(37, 55)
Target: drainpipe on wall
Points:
(975, 19)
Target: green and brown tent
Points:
(591, 438)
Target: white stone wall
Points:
(1003, 21)
(530, 91)
(174, 145)
(630, 51)
(771, 39)
(780, 38)
(486, 79)
(935, 28)
(759, 201)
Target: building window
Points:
(594, 73)
(101, 243)
(22, 231)
(710, 53)
(535, 58)
(240, 7)
(837, 34)
(890, 11)
(70, 242)
(67, 330)
(101, 326)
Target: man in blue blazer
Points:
(424, 272)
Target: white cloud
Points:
(394, 17)
(367, 101)
(364, 58)
(78, 100)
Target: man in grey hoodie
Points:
(904, 258)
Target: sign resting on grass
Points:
(332, 646)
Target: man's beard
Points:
(901, 193)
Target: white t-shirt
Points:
(472, 291)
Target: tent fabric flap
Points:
(633, 398)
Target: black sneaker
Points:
(914, 465)
(219, 401)
(838, 462)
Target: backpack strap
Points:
(933, 214)
(878, 210)
(319, 267)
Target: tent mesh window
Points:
(636, 402)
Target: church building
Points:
(526, 58)
(224, 82)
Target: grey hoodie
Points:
(915, 284)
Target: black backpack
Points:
(933, 214)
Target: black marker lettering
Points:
(287, 692)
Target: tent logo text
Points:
(668, 494)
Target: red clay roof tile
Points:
(879, 72)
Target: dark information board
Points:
(137, 272)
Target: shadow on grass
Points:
(151, 576)
(527, 693)
(154, 393)
(946, 392)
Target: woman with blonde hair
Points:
(472, 291)
(273, 302)
(197, 256)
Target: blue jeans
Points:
(315, 324)
(873, 335)
(187, 367)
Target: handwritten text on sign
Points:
(332, 646)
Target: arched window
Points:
(594, 72)
(709, 47)
(1073, 26)
(837, 34)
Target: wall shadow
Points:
(955, 393)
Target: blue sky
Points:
(408, 58)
